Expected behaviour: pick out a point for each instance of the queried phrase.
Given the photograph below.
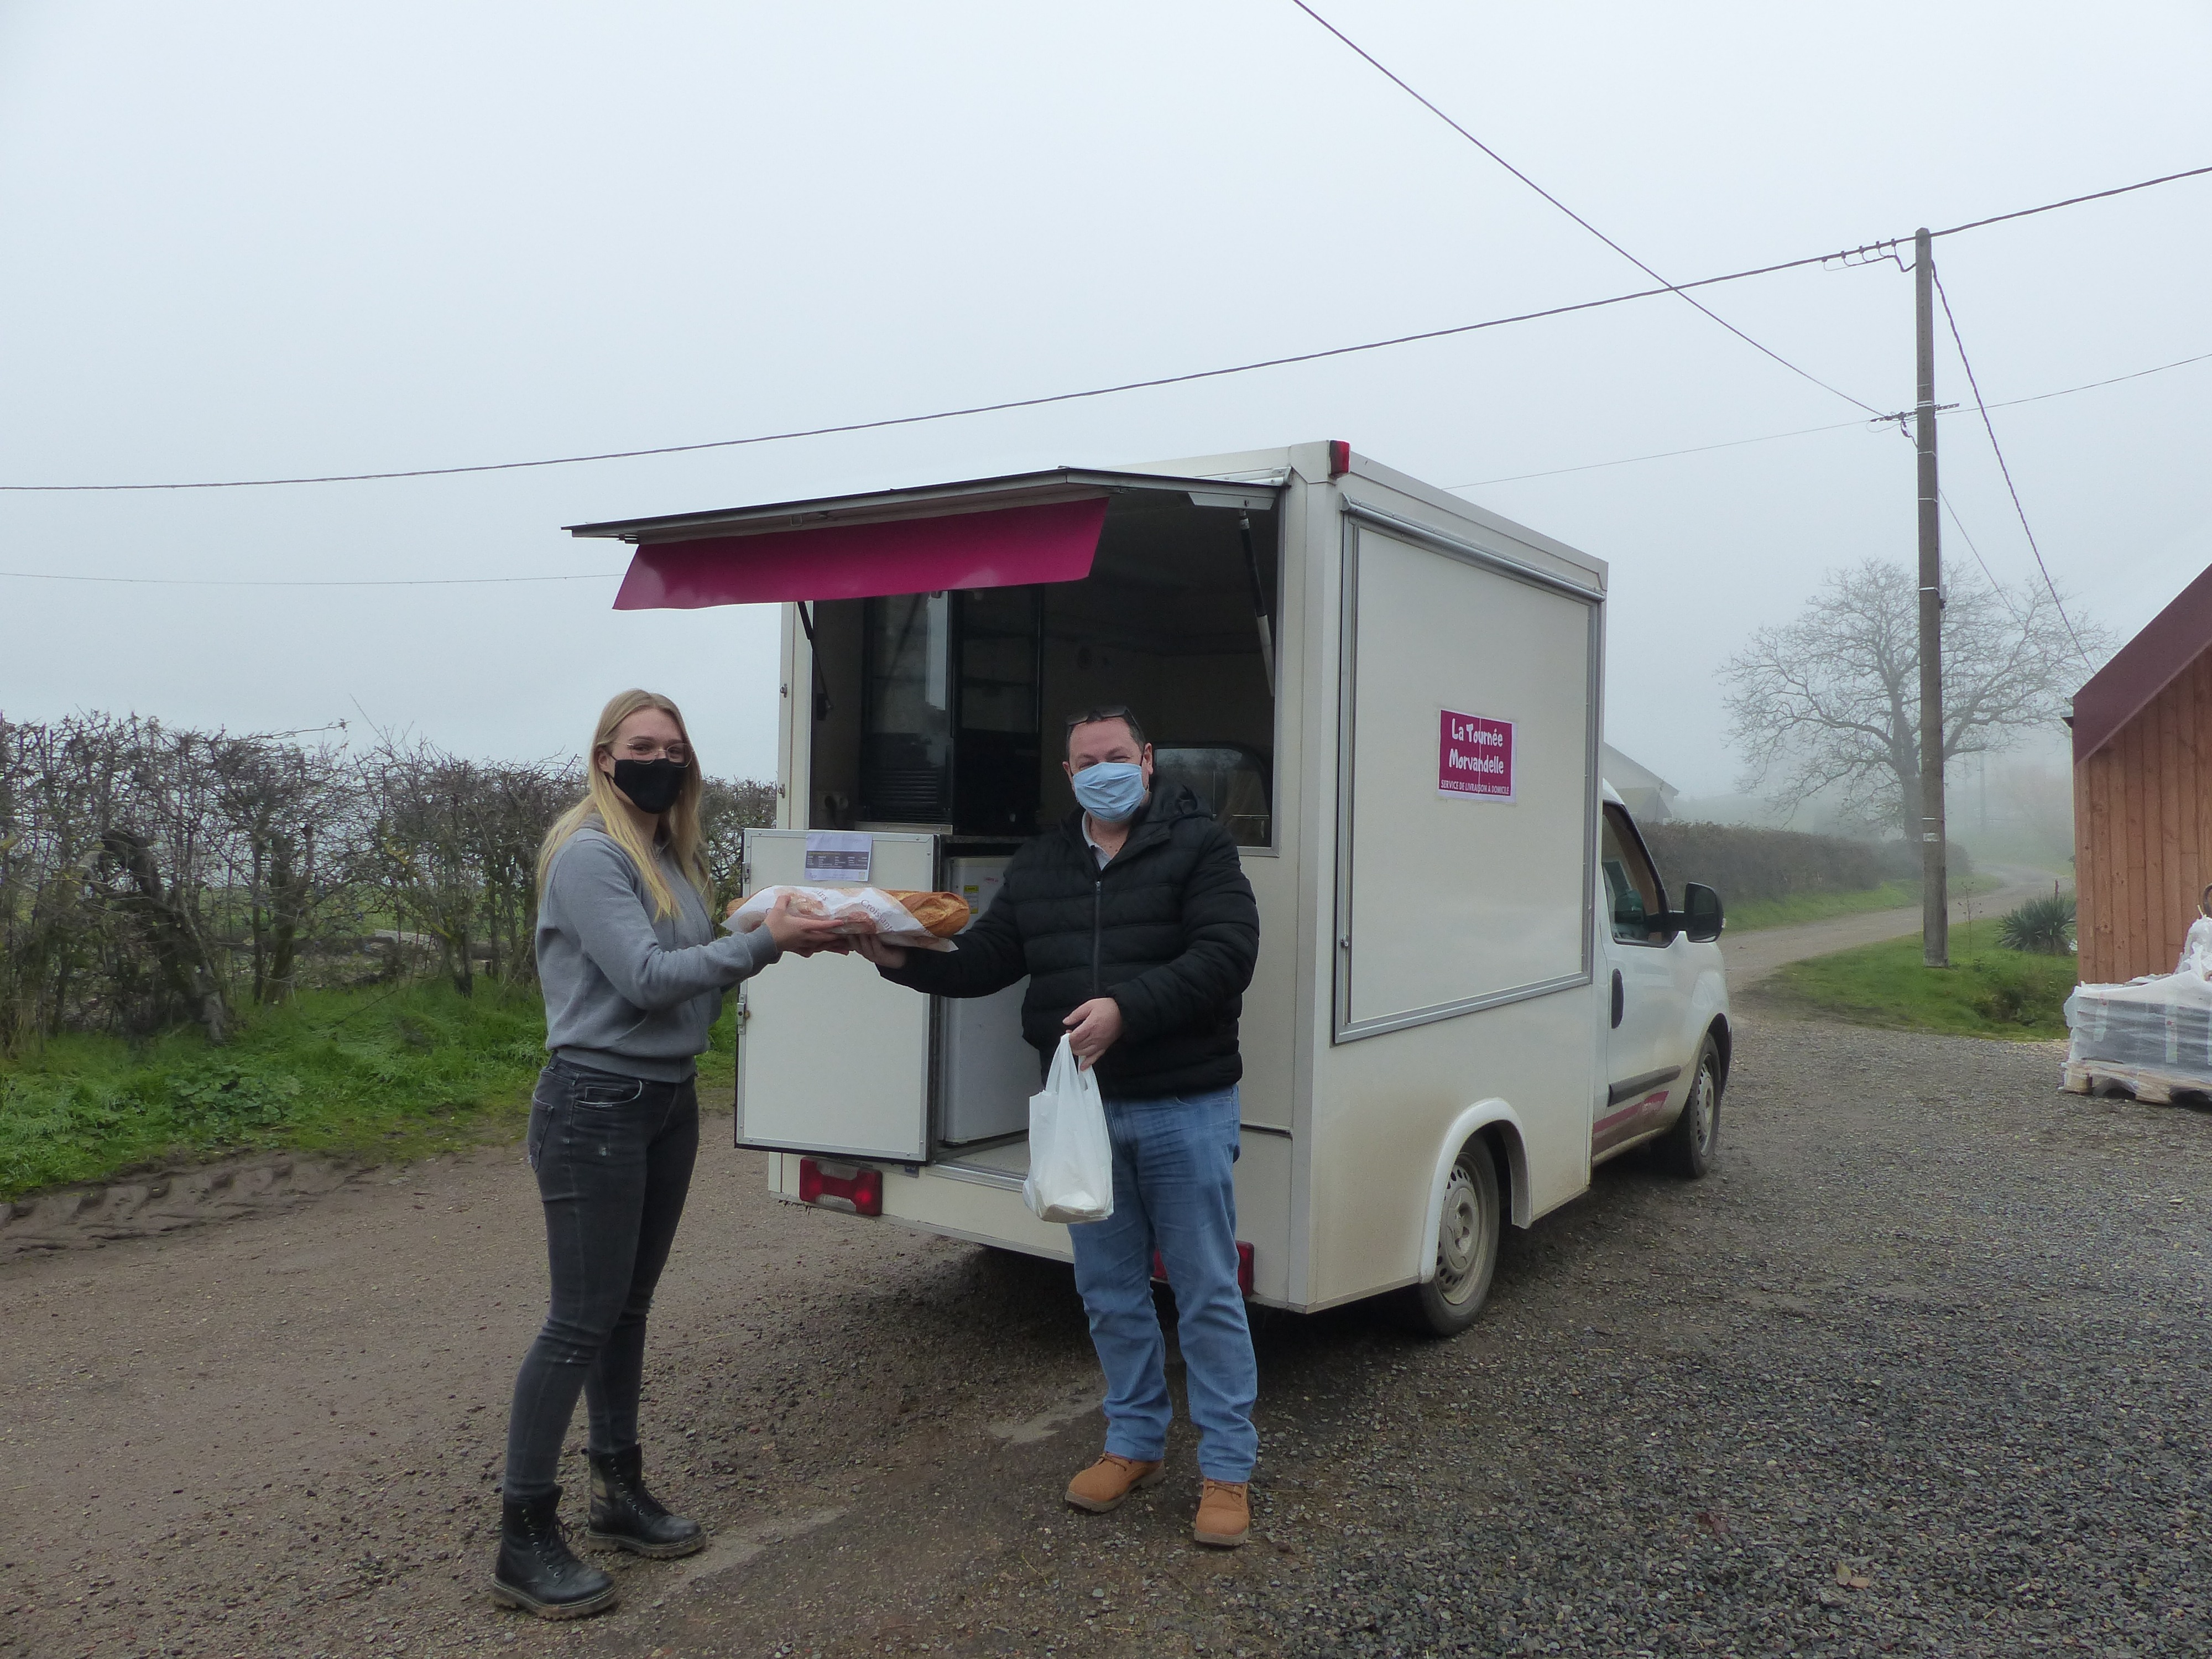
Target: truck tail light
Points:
(1339, 458)
(851, 1188)
(1243, 1267)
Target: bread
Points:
(943, 913)
(802, 904)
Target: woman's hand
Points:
(801, 936)
(1093, 1029)
(883, 955)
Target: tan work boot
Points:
(1224, 1514)
(1105, 1484)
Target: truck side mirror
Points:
(1701, 913)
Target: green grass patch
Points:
(1986, 993)
(1819, 907)
(385, 1076)
(1750, 917)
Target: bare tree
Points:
(515, 804)
(422, 842)
(172, 924)
(51, 925)
(279, 806)
(1830, 704)
(727, 811)
(151, 875)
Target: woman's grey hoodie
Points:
(625, 990)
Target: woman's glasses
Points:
(641, 749)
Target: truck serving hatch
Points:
(941, 632)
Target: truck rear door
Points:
(832, 1058)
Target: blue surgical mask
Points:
(1112, 791)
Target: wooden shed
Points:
(2143, 793)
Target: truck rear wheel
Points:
(1466, 1247)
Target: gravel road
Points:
(1922, 1367)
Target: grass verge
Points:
(1819, 907)
(1756, 913)
(1989, 992)
(387, 1075)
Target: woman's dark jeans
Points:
(613, 1155)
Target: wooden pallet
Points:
(2146, 1083)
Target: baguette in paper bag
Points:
(895, 918)
(943, 913)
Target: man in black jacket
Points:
(1138, 932)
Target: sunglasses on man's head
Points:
(1092, 716)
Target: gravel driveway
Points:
(1921, 1367)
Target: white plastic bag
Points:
(1071, 1160)
(893, 922)
(2196, 949)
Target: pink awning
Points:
(1001, 547)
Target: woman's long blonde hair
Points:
(601, 809)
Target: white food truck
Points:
(1471, 985)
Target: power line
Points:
(1661, 454)
(1988, 427)
(1837, 426)
(1399, 81)
(2158, 368)
(942, 414)
(2071, 201)
(1960, 524)
(1516, 478)
(1851, 257)
(219, 581)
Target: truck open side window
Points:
(943, 711)
(1229, 779)
(1634, 900)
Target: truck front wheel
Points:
(1689, 1144)
(1466, 1247)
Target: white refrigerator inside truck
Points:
(985, 1072)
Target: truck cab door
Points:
(832, 1058)
(1644, 1073)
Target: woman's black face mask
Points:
(651, 785)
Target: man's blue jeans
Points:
(1174, 1191)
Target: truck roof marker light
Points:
(1339, 458)
(853, 1188)
(1243, 1267)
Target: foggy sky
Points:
(250, 240)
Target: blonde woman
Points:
(634, 977)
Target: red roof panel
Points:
(2144, 666)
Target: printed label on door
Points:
(838, 856)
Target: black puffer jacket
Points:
(1168, 929)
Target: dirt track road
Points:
(1751, 957)
(282, 1435)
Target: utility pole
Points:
(1935, 906)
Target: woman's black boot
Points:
(537, 1572)
(625, 1516)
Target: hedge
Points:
(1744, 864)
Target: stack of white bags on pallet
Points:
(2160, 1024)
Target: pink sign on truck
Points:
(1474, 756)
